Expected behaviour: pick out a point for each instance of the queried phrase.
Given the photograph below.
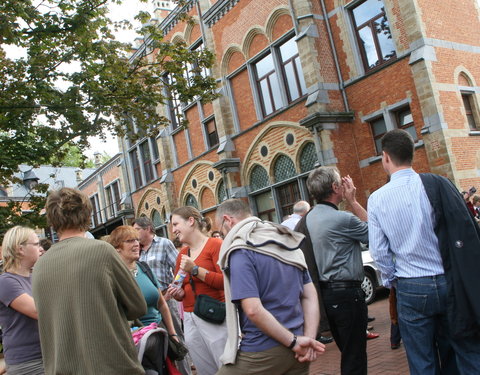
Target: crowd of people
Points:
(252, 296)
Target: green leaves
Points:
(76, 81)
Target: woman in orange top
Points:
(198, 258)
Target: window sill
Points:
(375, 159)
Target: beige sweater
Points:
(85, 296)
(264, 237)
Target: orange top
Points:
(213, 284)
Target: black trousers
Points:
(347, 313)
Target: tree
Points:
(72, 157)
(76, 80)
(14, 212)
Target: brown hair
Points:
(144, 223)
(202, 223)
(68, 209)
(400, 146)
(120, 234)
(45, 243)
(14, 237)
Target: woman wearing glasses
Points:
(199, 259)
(125, 240)
(18, 315)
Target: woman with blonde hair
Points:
(198, 259)
(18, 315)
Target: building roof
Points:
(55, 177)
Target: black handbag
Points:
(208, 308)
(176, 349)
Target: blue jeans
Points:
(422, 316)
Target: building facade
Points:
(311, 82)
(109, 192)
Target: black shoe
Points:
(325, 339)
(371, 319)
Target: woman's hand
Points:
(177, 293)
(187, 263)
(174, 337)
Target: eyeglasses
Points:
(133, 240)
(31, 243)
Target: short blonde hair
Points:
(68, 209)
(12, 240)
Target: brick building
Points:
(308, 82)
(109, 192)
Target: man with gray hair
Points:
(335, 236)
(268, 294)
(160, 255)
(299, 210)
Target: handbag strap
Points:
(190, 279)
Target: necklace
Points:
(134, 271)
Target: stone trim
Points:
(217, 11)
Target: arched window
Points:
(221, 192)
(191, 201)
(258, 178)
(308, 157)
(156, 219)
(284, 168)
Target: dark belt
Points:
(340, 284)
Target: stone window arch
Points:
(190, 200)
(308, 157)
(284, 168)
(221, 192)
(259, 178)
(156, 219)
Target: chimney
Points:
(97, 159)
(162, 9)
(78, 175)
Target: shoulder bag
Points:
(207, 308)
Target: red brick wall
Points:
(207, 198)
(196, 33)
(259, 42)
(236, 60)
(283, 24)
(459, 24)
(242, 94)
(195, 130)
(181, 147)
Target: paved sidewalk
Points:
(381, 359)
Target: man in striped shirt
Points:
(405, 247)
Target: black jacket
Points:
(459, 241)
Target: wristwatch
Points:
(194, 271)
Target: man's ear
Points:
(386, 157)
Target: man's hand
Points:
(349, 189)
(307, 349)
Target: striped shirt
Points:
(161, 257)
(401, 229)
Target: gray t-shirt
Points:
(278, 285)
(21, 341)
(336, 237)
